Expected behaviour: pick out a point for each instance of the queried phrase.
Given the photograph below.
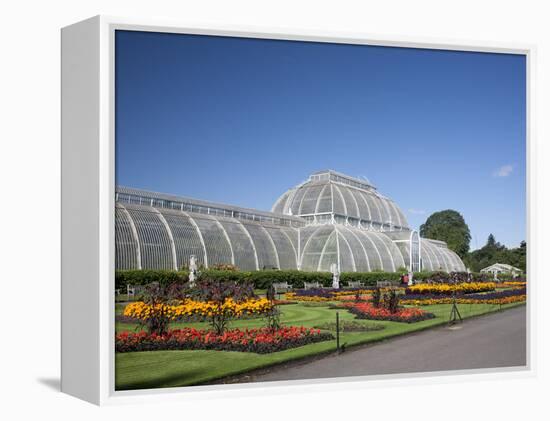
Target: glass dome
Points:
(350, 200)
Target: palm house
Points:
(329, 218)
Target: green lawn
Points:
(144, 370)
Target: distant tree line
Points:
(450, 226)
(494, 252)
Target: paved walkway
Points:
(496, 340)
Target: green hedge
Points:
(509, 277)
(144, 277)
(369, 278)
(439, 275)
(261, 279)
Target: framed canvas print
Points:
(248, 208)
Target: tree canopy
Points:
(494, 252)
(449, 226)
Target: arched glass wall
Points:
(355, 250)
(437, 257)
(151, 238)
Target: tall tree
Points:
(448, 226)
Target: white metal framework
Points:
(329, 195)
(330, 218)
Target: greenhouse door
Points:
(414, 254)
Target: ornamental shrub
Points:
(391, 301)
(218, 291)
(155, 297)
(376, 296)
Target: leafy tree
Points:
(448, 226)
(494, 252)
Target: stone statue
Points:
(335, 276)
(192, 270)
(411, 282)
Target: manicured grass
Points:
(143, 370)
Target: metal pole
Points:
(337, 331)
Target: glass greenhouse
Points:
(330, 218)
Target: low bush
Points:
(376, 297)
(391, 301)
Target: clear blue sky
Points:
(240, 121)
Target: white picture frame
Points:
(88, 169)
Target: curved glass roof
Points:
(331, 218)
(350, 200)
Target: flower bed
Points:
(499, 297)
(513, 284)
(197, 309)
(406, 315)
(448, 289)
(350, 298)
(261, 341)
(283, 302)
(309, 296)
(325, 294)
